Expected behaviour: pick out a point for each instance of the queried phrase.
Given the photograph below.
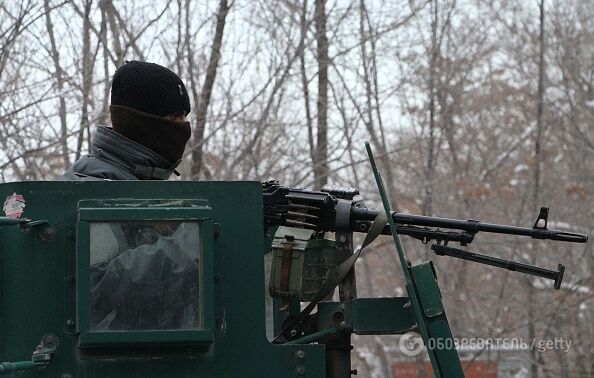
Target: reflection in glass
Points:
(144, 275)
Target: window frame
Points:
(138, 210)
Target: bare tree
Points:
(320, 163)
(87, 77)
(60, 83)
(206, 93)
(473, 110)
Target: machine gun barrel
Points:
(473, 226)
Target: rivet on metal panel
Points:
(49, 340)
(300, 354)
(70, 323)
(338, 317)
(47, 233)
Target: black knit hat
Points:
(149, 88)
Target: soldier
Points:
(144, 275)
(149, 105)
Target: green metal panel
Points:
(370, 316)
(154, 338)
(82, 274)
(38, 287)
(424, 275)
(441, 348)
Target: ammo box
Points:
(300, 264)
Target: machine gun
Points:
(317, 210)
(326, 210)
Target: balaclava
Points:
(141, 95)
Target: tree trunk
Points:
(320, 164)
(103, 116)
(372, 100)
(115, 31)
(430, 167)
(205, 95)
(55, 54)
(87, 77)
(304, 84)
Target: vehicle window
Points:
(144, 275)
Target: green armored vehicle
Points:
(165, 279)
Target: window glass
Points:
(144, 275)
